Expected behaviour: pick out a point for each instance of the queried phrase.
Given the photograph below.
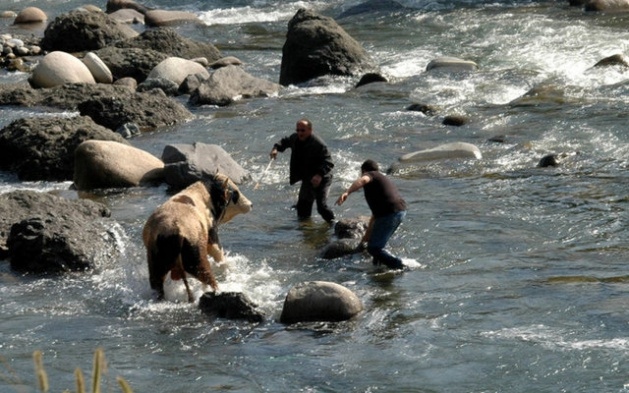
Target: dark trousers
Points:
(309, 194)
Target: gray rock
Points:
(78, 31)
(135, 63)
(185, 164)
(43, 148)
(228, 84)
(319, 301)
(18, 206)
(316, 46)
(230, 305)
(149, 110)
(168, 41)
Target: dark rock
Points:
(229, 83)
(371, 77)
(79, 31)
(149, 110)
(340, 248)
(548, 160)
(43, 148)
(39, 212)
(230, 305)
(428, 110)
(373, 6)
(168, 87)
(186, 164)
(348, 228)
(115, 5)
(317, 46)
(615, 60)
(65, 97)
(168, 41)
(191, 83)
(135, 63)
(455, 120)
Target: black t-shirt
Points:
(382, 195)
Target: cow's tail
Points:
(166, 257)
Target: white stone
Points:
(176, 69)
(445, 151)
(451, 62)
(58, 68)
(99, 70)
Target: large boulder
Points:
(230, 305)
(176, 69)
(230, 83)
(58, 68)
(317, 46)
(42, 148)
(135, 63)
(44, 210)
(185, 164)
(108, 164)
(79, 31)
(168, 41)
(320, 301)
(148, 110)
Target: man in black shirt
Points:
(388, 209)
(310, 163)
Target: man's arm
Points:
(356, 185)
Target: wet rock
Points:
(614, 60)
(115, 5)
(451, 64)
(51, 233)
(428, 110)
(185, 164)
(42, 148)
(373, 6)
(224, 62)
(607, 5)
(230, 305)
(319, 301)
(317, 46)
(370, 77)
(455, 120)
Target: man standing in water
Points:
(310, 163)
(388, 209)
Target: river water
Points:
(519, 278)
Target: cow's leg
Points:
(195, 262)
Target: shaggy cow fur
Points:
(182, 232)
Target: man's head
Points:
(303, 129)
(369, 166)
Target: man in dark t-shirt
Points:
(310, 164)
(388, 210)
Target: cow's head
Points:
(227, 200)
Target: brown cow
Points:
(183, 231)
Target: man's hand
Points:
(315, 181)
(273, 154)
(342, 198)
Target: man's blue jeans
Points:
(383, 229)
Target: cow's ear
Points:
(226, 187)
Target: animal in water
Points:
(181, 233)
